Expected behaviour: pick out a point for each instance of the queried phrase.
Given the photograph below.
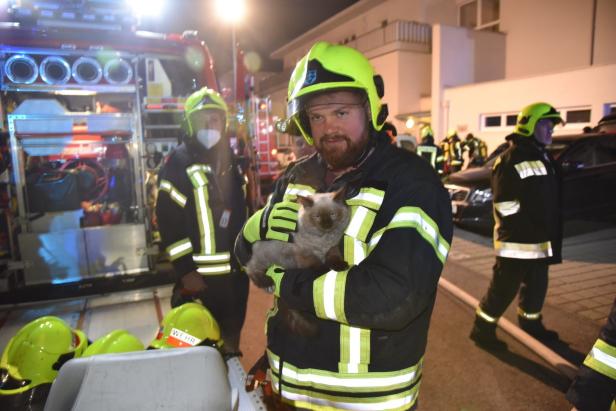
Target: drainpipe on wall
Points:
(592, 32)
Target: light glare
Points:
(146, 7)
(231, 11)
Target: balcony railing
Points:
(410, 34)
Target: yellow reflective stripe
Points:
(485, 316)
(507, 208)
(430, 150)
(204, 219)
(293, 190)
(368, 382)
(179, 249)
(602, 358)
(531, 168)
(523, 250)
(360, 223)
(310, 400)
(328, 295)
(174, 193)
(369, 197)
(354, 349)
(214, 269)
(212, 258)
(529, 316)
(199, 167)
(354, 250)
(416, 218)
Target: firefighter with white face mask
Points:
(200, 209)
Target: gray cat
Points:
(322, 219)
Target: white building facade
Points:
(471, 65)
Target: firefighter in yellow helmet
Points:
(31, 361)
(395, 246)
(526, 190)
(430, 151)
(452, 152)
(200, 209)
(477, 150)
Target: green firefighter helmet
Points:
(426, 131)
(35, 354)
(203, 99)
(329, 67)
(188, 325)
(531, 114)
(117, 341)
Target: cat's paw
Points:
(339, 265)
(260, 279)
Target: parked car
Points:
(589, 182)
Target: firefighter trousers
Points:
(530, 277)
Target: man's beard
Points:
(344, 153)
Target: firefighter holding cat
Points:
(373, 317)
(200, 209)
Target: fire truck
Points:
(89, 107)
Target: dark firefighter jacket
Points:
(373, 318)
(594, 387)
(200, 209)
(526, 188)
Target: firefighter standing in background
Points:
(200, 209)
(526, 185)
(452, 152)
(594, 387)
(373, 317)
(430, 151)
(477, 150)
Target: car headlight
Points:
(481, 196)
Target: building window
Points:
(479, 14)
(578, 116)
(498, 121)
(492, 121)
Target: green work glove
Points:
(273, 222)
(275, 273)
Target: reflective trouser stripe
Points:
(530, 168)
(214, 269)
(602, 358)
(212, 258)
(320, 389)
(179, 249)
(485, 316)
(507, 208)
(529, 316)
(174, 193)
(523, 250)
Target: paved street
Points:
(457, 374)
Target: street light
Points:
(232, 11)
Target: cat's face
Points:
(324, 211)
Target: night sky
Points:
(268, 24)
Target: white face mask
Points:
(208, 137)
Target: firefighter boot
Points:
(537, 329)
(484, 335)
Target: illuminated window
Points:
(479, 14)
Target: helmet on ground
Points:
(531, 114)
(329, 67)
(36, 353)
(188, 325)
(203, 99)
(117, 341)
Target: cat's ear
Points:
(340, 195)
(305, 202)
